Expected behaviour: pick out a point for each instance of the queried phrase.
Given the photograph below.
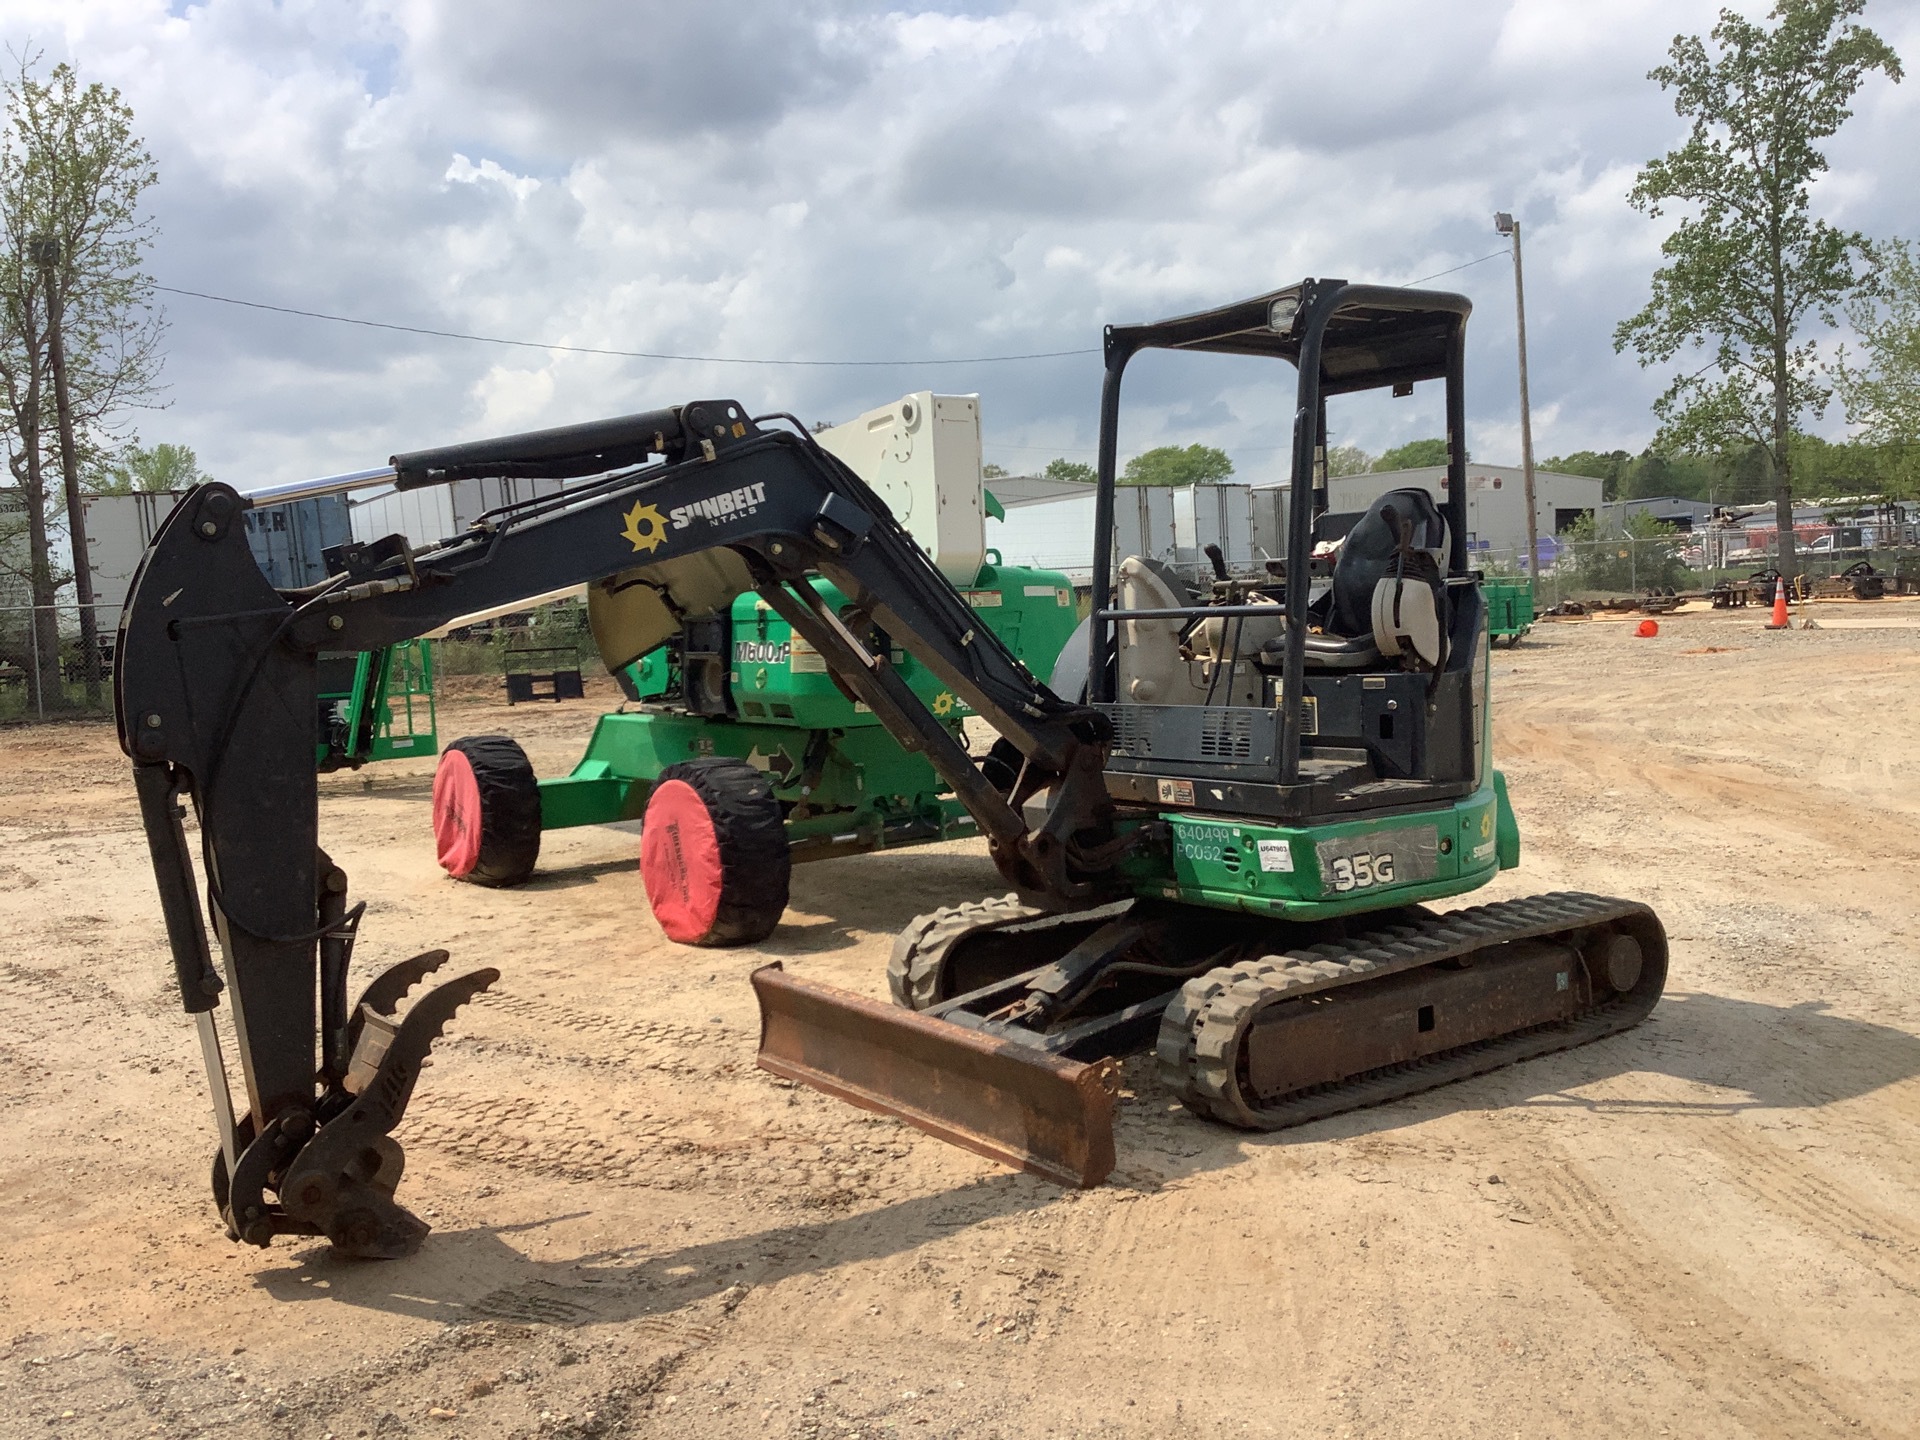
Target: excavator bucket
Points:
(1009, 1102)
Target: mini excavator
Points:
(1222, 822)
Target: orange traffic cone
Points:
(1779, 620)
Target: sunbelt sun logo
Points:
(719, 509)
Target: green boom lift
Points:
(734, 681)
(376, 705)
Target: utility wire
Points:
(660, 355)
(1468, 266)
(622, 354)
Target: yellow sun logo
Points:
(943, 704)
(646, 527)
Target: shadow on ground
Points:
(1751, 1055)
(479, 1274)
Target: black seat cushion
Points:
(1368, 556)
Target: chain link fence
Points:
(46, 670)
(1634, 566)
(46, 673)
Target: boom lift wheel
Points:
(486, 811)
(713, 853)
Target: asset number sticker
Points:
(1390, 857)
(1361, 871)
(1276, 856)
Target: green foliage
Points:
(1175, 465)
(1748, 266)
(73, 241)
(1071, 470)
(1348, 460)
(1414, 455)
(1882, 396)
(159, 468)
(993, 472)
(1742, 474)
(559, 624)
(1607, 468)
(1646, 556)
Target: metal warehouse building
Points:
(1496, 500)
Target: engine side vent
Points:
(1243, 737)
(1226, 734)
(1132, 731)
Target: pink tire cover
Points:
(456, 814)
(680, 862)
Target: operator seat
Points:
(1389, 594)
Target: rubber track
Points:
(919, 951)
(1202, 1031)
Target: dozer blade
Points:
(998, 1098)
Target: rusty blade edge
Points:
(1085, 1088)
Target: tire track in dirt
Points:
(1703, 1338)
(1874, 1239)
(596, 1039)
(830, 1163)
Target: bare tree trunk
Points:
(47, 692)
(1782, 434)
(70, 472)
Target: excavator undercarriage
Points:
(1226, 822)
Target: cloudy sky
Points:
(831, 180)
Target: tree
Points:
(993, 472)
(1348, 460)
(161, 468)
(1174, 465)
(1643, 555)
(1882, 396)
(1748, 266)
(1607, 468)
(1070, 470)
(1414, 455)
(78, 335)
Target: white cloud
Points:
(464, 172)
(846, 179)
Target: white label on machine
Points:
(803, 659)
(1276, 855)
(1042, 592)
(985, 599)
(1176, 792)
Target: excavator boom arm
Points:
(217, 703)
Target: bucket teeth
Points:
(343, 1181)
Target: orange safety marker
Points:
(1779, 620)
(1647, 629)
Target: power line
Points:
(1468, 266)
(662, 355)
(621, 354)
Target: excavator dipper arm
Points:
(217, 703)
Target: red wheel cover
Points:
(456, 814)
(680, 861)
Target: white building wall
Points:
(1496, 499)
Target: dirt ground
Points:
(1707, 1227)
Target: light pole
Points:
(1505, 224)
